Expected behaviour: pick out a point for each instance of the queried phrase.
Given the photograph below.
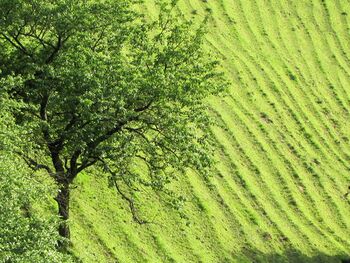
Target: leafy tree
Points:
(100, 86)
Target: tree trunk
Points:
(63, 210)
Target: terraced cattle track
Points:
(283, 148)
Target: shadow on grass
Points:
(293, 256)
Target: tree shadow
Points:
(292, 256)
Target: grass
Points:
(283, 149)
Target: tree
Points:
(100, 86)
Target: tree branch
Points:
(55, 50)
(44, 43)
(150, 165)
(16, 45)
(35, 165)
(92, 145)
(125, 197)
(131, 205)
(19, 43)
(87, 164)
(137, 131)
(99, 38)
(43, 106)
(73, 162)
(143, 108)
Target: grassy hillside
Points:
(283, 149)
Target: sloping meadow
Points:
(283, 150)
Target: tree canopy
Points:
(101, 85)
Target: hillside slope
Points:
(283, 149)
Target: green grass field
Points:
(283, 149)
